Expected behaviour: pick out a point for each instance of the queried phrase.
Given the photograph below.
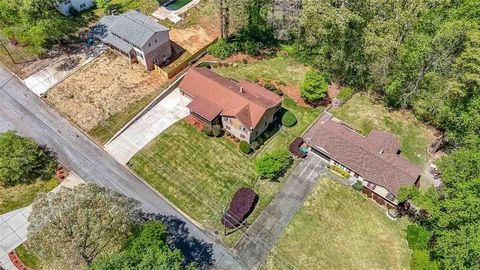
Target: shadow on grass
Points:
(194, 250)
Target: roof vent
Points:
(241, 90)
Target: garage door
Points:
(320, 154)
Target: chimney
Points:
(241, 90)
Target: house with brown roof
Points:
(243, 108)
(373, 159)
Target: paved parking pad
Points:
(168, 111)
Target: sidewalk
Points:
(13, 225)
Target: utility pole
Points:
(224, 19)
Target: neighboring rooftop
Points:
(127, 29)
(374, 157)
(213, 94)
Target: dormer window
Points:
(371, 186)
(390, 197)
(149, 44)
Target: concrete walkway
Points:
(164, 114)
(263, 234)
(162, 13)
(13, 225)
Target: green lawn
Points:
(279, 68)
(145, 6)
(105, 130)
(305, 117)
(28, 258)
(21, 195)
(200, 174)
(338, 228)
(364, 115)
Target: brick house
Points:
(136, 35)
(374, 159)
(243, 108)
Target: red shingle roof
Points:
(373, 157)
(244, 100)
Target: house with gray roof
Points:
(136, 35)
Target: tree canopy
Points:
(272, 165)
(22, 160)
(70, 228)
(314, 86)
(148, 249)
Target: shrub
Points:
(245, 61)
(22, 160)
(259, 140)
(236, 139)
(289, 119)
(240, 208)
(270, 87)
(417, 237)
(278, 91)
(221, 49)
(255, 145)
(358, 186)
(314, 86)
(216, 130)
(228, 133)
(274, 164)
(345, 93)
(208, 131)
(282, 83)
(339, 170)
(245, 147)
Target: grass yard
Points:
(145, 6)
(27, 258)
(21, 195)
(278, 68)
(282, 139)
(364, 115)
(343, 231)
(200, 174)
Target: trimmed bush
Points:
(221, 49)
(314, 86)
(274, 164)
(245, 61)
(240, 208)
(270, 87)
(345, 93)
(259, 140)
(278, 91)
(417, 237)
(339, 170)
(289, 119)
(358, 186)
(421, 261)
(245, 147)
(228, 133)
(255, 145)
(208, 131)
(216, 130)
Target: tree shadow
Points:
(194, 250)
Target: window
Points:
(82, 6)
(227, 127)
(242, 136)
(390, 197)
(355, 175)
(140, 55)
(149, 44)
(371, 186)
(225, 119)
(266, 123)
(155, 40)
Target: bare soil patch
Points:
(333, 90)
(192, 38)
(103, 88)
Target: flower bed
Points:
(339, 171)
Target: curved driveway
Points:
(22, 110)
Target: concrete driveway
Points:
(164, 114)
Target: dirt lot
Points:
(102, 88)
(192, 38)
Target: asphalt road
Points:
(23, 111)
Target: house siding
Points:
(79, 5)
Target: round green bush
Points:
(255, 145)
(270, 87)
(289, 119)
(358, 186)
(245, 147)
(278, 92)
(216, 130)
(208, 131)
(259, 140)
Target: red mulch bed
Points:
(16, 261)
(194, 122)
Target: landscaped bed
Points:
(200, 174)
(343, 231)
(22, 195)
(361, 113)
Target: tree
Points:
(148, 249)
(70, 228)
(274, 164)
(22, 160)
(314, 86)
(289, 119)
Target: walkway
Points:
(263, 234)
(162, 13)
(13, 225)
(168, 111)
